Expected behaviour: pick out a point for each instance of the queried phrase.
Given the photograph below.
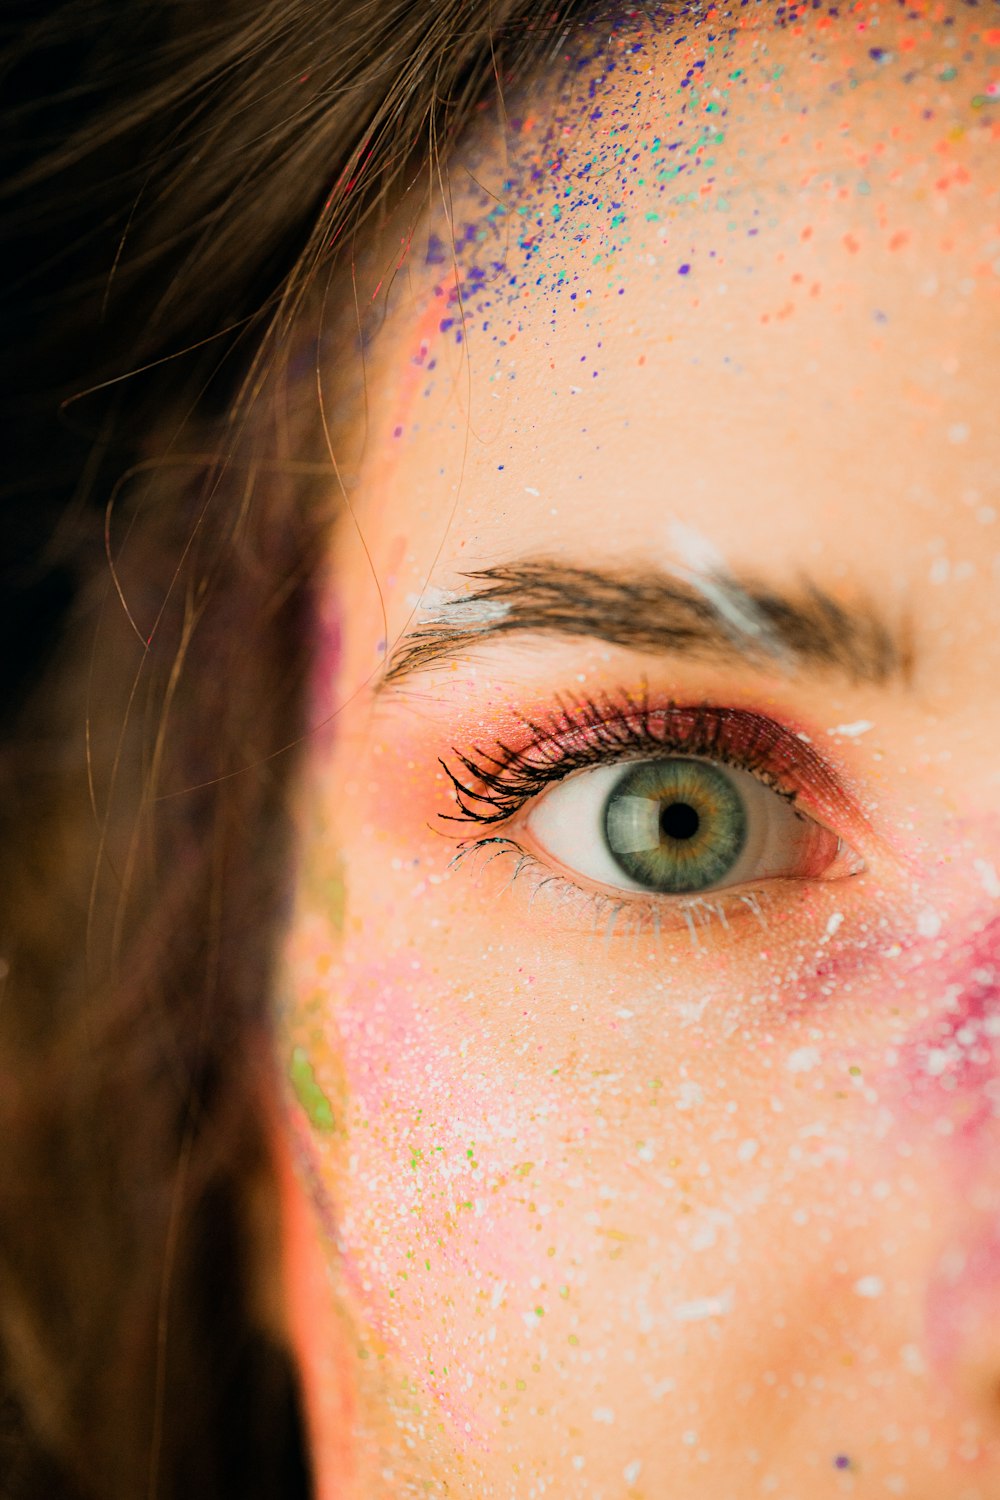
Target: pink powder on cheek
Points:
(439, 1151)
(952, 1062)
(945, 1085)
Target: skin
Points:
(586, 1209)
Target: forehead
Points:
(741, 276)
(671, 147)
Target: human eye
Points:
(663, 805)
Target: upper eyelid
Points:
(491, 787)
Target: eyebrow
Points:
(716, 616)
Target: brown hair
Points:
(181, 182)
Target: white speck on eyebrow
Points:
(700, 1308)
(445, 607)
(988, 878)
(851, 731)
(695, 549)
(705, 568)
(869, 1286)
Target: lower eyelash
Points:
(645, 914)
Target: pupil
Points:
(679, 820)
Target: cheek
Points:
(445, 1141)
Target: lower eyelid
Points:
(622, 913)
(729, 910)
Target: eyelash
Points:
(493, 786)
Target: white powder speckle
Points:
(701, 1308)
(836, 918)
(869, 1286)
(688, 1096)
(631, 1471)
(928, 923)
(603, 1414)
(958, 432)
(853, 730)
(988, 878)
(747, 1150)
(803, 1060)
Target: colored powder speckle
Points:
(841, 1461)
(684, 269)
(308, 1092)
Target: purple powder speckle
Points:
(684, 269)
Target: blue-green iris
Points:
(675, 825)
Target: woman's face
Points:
(642, 995)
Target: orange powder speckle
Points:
(851, 245)
(898, 240)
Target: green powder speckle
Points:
(308, 1092)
